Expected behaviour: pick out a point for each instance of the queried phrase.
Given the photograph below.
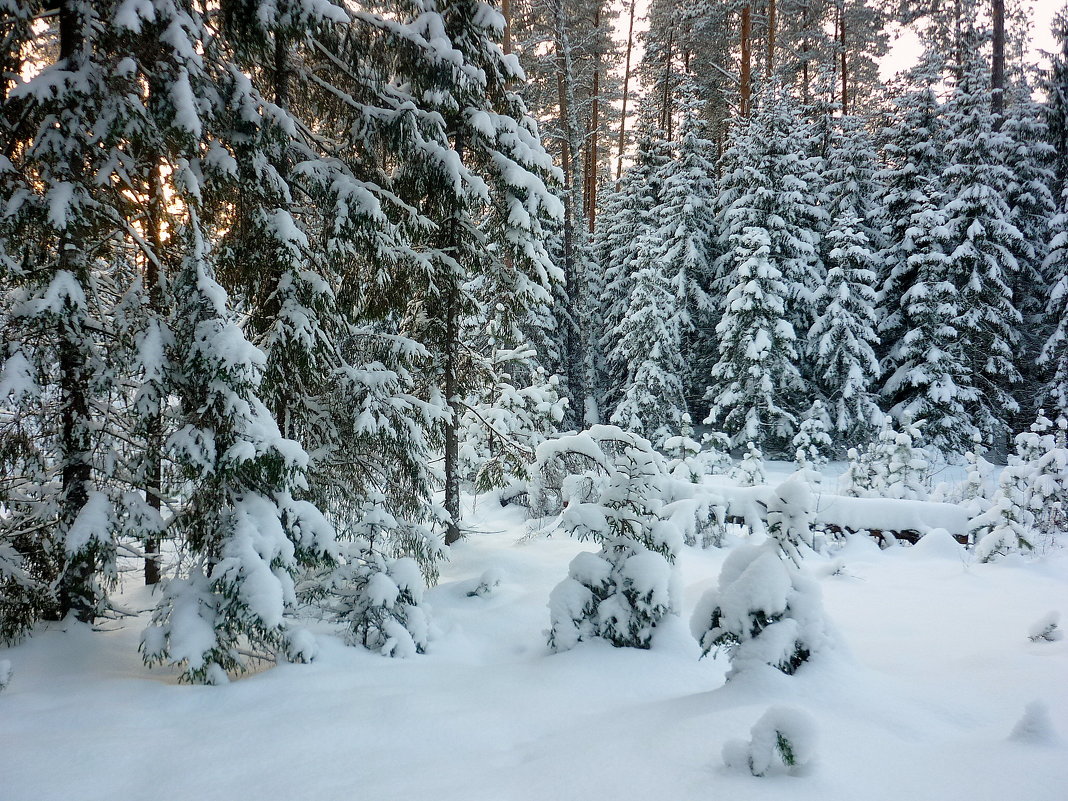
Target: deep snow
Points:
(932, 673)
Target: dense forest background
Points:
(281, 279)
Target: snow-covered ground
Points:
(932, 672)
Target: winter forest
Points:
(505, 337)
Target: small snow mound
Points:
(1046, 629)
(5, 674)
(937, 543)
(1035, 726)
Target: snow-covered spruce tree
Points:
(379, 597)
(897, 467)
(648, 340)
(763, 612)
(980, 242)
(684, 462)
(685, 238)
(481, 184)
(812, 444)
(244, 533)
(842, 340)
(750, 470)
(926, 371)
(1032, 204)
(629, 216)
(612, 495)
(913, 144)
(769, 216)
(55, 241)
(1054, 354)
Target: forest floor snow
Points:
(919, 698)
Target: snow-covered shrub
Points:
(380, 600)
(750, 471)
(501, 427)
(856, 480)
(812, 443)
(716, 453)
(1031, 497)
(893, 466)
(375, 593)
(700, 514)
(5, 674)
(791, 513)
(782, 735)
(623, 591)
(1046, 629)
(487, 584)
(683, 454)
(763, 612)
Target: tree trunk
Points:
(154, 429)
(626, 94)
(452, 378)
(75, 590)
(746, 78)
(506, 40)
(771, 37)
(842, 55)
(997, 64)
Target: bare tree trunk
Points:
(594, 154)
(574, 350)
(76, 580)
(506, 12)
(997, 65)
(842, 54)
(665, 101)
(626, 94)
(154, 429)
(452, 380)
(747, 61)
(771, 37)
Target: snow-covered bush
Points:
(716, 452)
(763, 612)
(501, 427)
(5, 674)
(488, 584)
(791, 513)
(623, 591)
(893, 466)
(1035, 725)
(376, 594)
(783, 735)
(1031, 497)
(700, 514)
(683, 453)
(856, 480)
(812, 443)
(750, 471)
(1046, 629)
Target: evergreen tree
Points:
(629, 217)
(56, 245)
(769, 217)
(980, 242)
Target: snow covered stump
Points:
(623, 591)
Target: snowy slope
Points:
(932, 672)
